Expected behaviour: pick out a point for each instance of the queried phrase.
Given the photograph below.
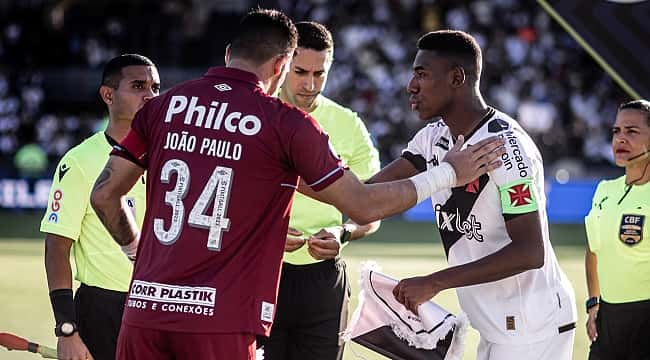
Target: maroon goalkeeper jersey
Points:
(223, 160)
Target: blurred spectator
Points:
(533, 67)
(31, 161)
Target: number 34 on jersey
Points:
(217, 188)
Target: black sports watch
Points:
(65, 329)
(591, 302)
(346, 235)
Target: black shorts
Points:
(99, 316)
(312, 309)
(622, 332)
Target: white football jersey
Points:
(523, 308)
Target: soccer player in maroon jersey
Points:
(223, 159)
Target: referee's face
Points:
(631, 137)
(306, 78)
(429, 90)
(138, 85)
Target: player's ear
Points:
(106, 92)
(457, 76)
(279, 63)
(227, 55)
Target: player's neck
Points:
(117, 129)
(464, 116)
(638, 174)
(251, 68)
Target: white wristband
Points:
(131, 249)
(433, 180)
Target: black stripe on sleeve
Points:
(418, 161)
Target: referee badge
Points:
(631, 231)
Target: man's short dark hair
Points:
(458, 46)
(314, 36)
(641, 105)
(112, 74)
(264, 34)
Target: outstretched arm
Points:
(365, 203)
(115, 181)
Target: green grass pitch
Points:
(401, 248)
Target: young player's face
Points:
(631, 137)
(138, 85)
(428, 88)
(306, 78)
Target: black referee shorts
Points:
(623, 331)
(99, 316)
(311, 312)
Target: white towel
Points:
(387, 327)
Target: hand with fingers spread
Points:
(72, 348)
(294, 240)
(414, 291)
(325, 244)
(476, 159)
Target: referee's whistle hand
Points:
(325, 245)
(294, 240)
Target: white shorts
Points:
(559, 347)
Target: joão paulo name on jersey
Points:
(523, 308)
(223, 161)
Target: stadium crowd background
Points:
(52, 52)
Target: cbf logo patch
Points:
(631, 231)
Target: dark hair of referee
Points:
(314, 36)
(113, 69)
(641, 105)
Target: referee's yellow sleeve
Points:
(364, 157)
(68, 200)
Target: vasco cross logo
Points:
(520, 195)
(473, 186)
(63, 169)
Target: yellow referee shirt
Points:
(351, 140)
(99, 259)
(618, 231)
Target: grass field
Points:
(401, 248)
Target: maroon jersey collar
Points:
(236, 74)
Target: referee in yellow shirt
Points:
(618, 256)
(314, 290)
(88, 325)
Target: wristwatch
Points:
(346, 235)
(65, 329)
(591, 302)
